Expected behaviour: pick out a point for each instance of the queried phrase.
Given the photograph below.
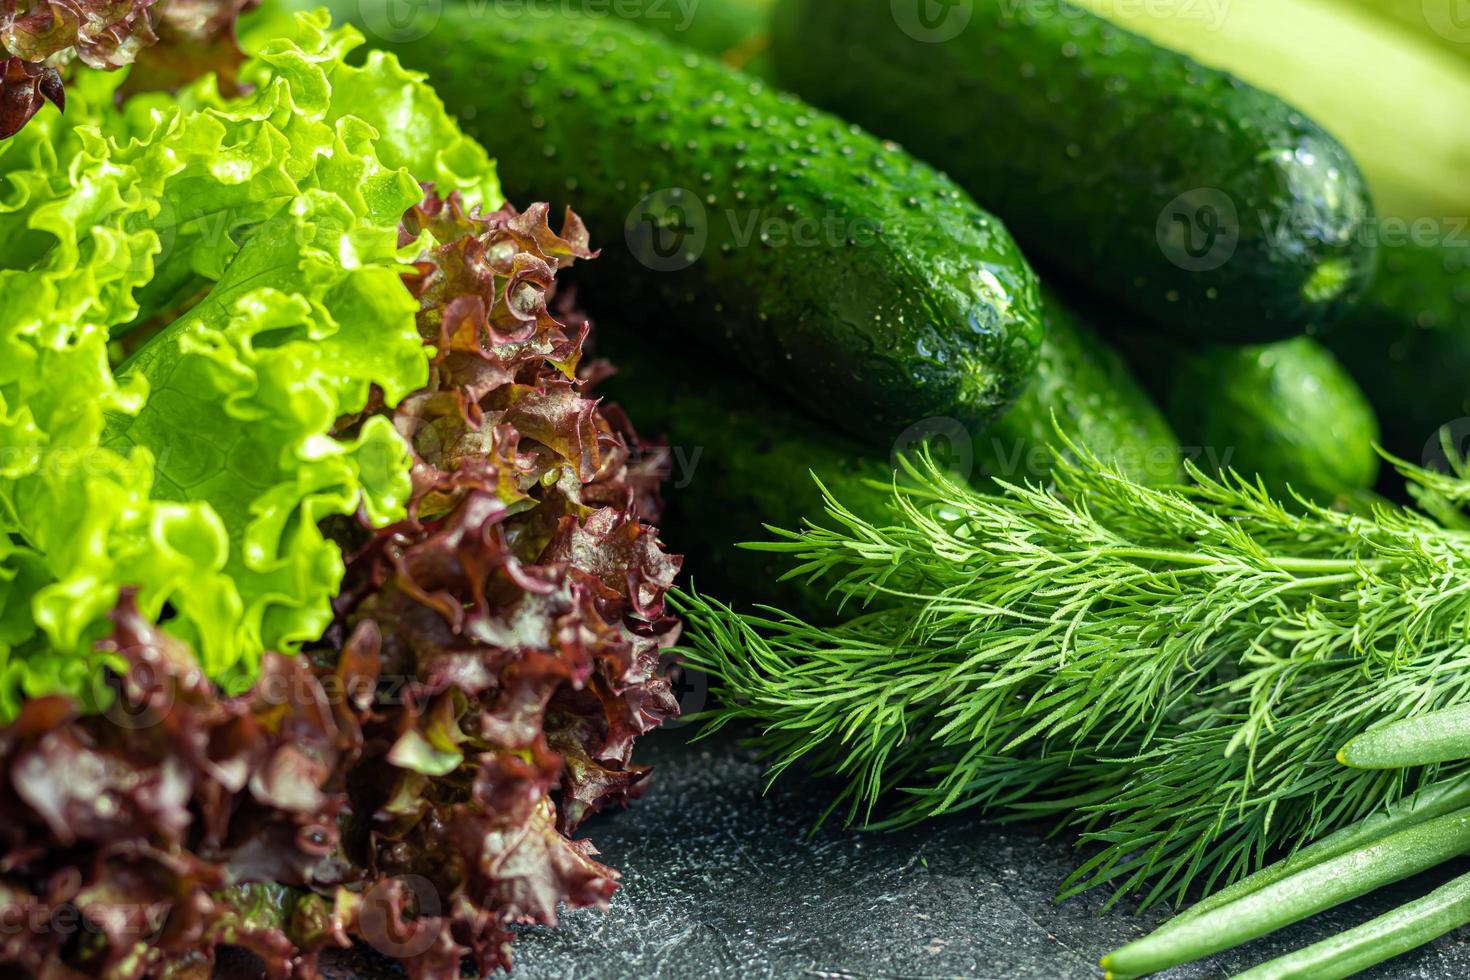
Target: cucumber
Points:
(858, 280)
(1395, 100)
(742, 455)
(1086, 386)
(1408, 344)
(1189, 198)
(1287, 413)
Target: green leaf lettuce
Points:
(197, 289)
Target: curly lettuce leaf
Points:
(198, 469)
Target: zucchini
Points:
(1408, 344)
(1287, 413)
(742, 456)
(1444, 23)
(1189, 198)
(1395, 100)
(860, 281)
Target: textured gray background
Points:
(722, 881)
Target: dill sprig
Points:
(1168, 670)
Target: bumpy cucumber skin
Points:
(1408, 344)
(1086, 386)
(920, 306)
(1096, 145)
(1287, 412)
(742, 455)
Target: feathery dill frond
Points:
(1168, 670)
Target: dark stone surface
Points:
(722, 881)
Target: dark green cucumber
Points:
(1183, 194)
(1287, 412)
(742, 455)
(863, 283)
(1089, 390)
(1408, 344)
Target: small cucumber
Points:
(835, 266)
(1181, 193)
(742, 455)
(1287, 412)
(1408, 344)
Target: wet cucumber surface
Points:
(1177, 191)
(1288, 412)
(831, 264)
(742, 457)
